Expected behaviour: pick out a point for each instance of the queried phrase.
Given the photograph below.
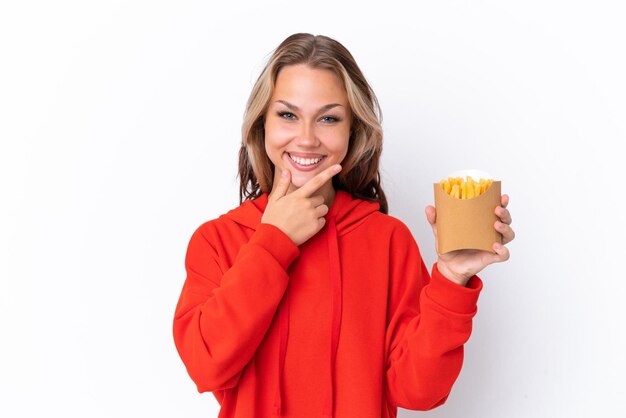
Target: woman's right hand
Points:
(300, 214)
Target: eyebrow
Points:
(296, 108)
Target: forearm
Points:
(217, 330)
(427, 360)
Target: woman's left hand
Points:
(460, 265)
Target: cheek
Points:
(338, 143)
(274, 141)
(276, 137)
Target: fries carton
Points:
(467, 222)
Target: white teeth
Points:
(305, 161)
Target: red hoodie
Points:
(349, 324)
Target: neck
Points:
(326, 191)
(329, 195)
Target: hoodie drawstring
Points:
(283, 323)
(337, 306)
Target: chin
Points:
(300, 179)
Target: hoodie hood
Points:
(346, 212)
(344, 215)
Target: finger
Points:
(431, 215)
(316, 201)
(321, 211)
(501, 254)
(507, 232)
(318, 181)
(504, 215)
(282, 186)
(504, 200)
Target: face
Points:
(307, 125)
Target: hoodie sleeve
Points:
(428, 323)
(222, 316)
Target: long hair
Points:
(360, 174)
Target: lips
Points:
(305, 162)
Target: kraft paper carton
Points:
(469, 223)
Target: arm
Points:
(428, 323)
(222, 317)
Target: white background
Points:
(119, 128)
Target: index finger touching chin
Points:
(319, 180)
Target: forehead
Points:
(302, 83)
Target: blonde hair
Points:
(360, 175)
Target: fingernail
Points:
(336, 168)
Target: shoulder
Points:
(208, 228)
(206, 236)
(390, 224)
(231, 224)
(396, 234)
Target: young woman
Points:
(308, 300)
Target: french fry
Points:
(470, 190)
(445, 183)
(455, 191)
(467, 188)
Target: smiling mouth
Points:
(306, 162)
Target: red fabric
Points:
(349, 324)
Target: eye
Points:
(330, 119)
(286, 115)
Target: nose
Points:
(307, 136)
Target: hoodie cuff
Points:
(453, 296)
(277, 243)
